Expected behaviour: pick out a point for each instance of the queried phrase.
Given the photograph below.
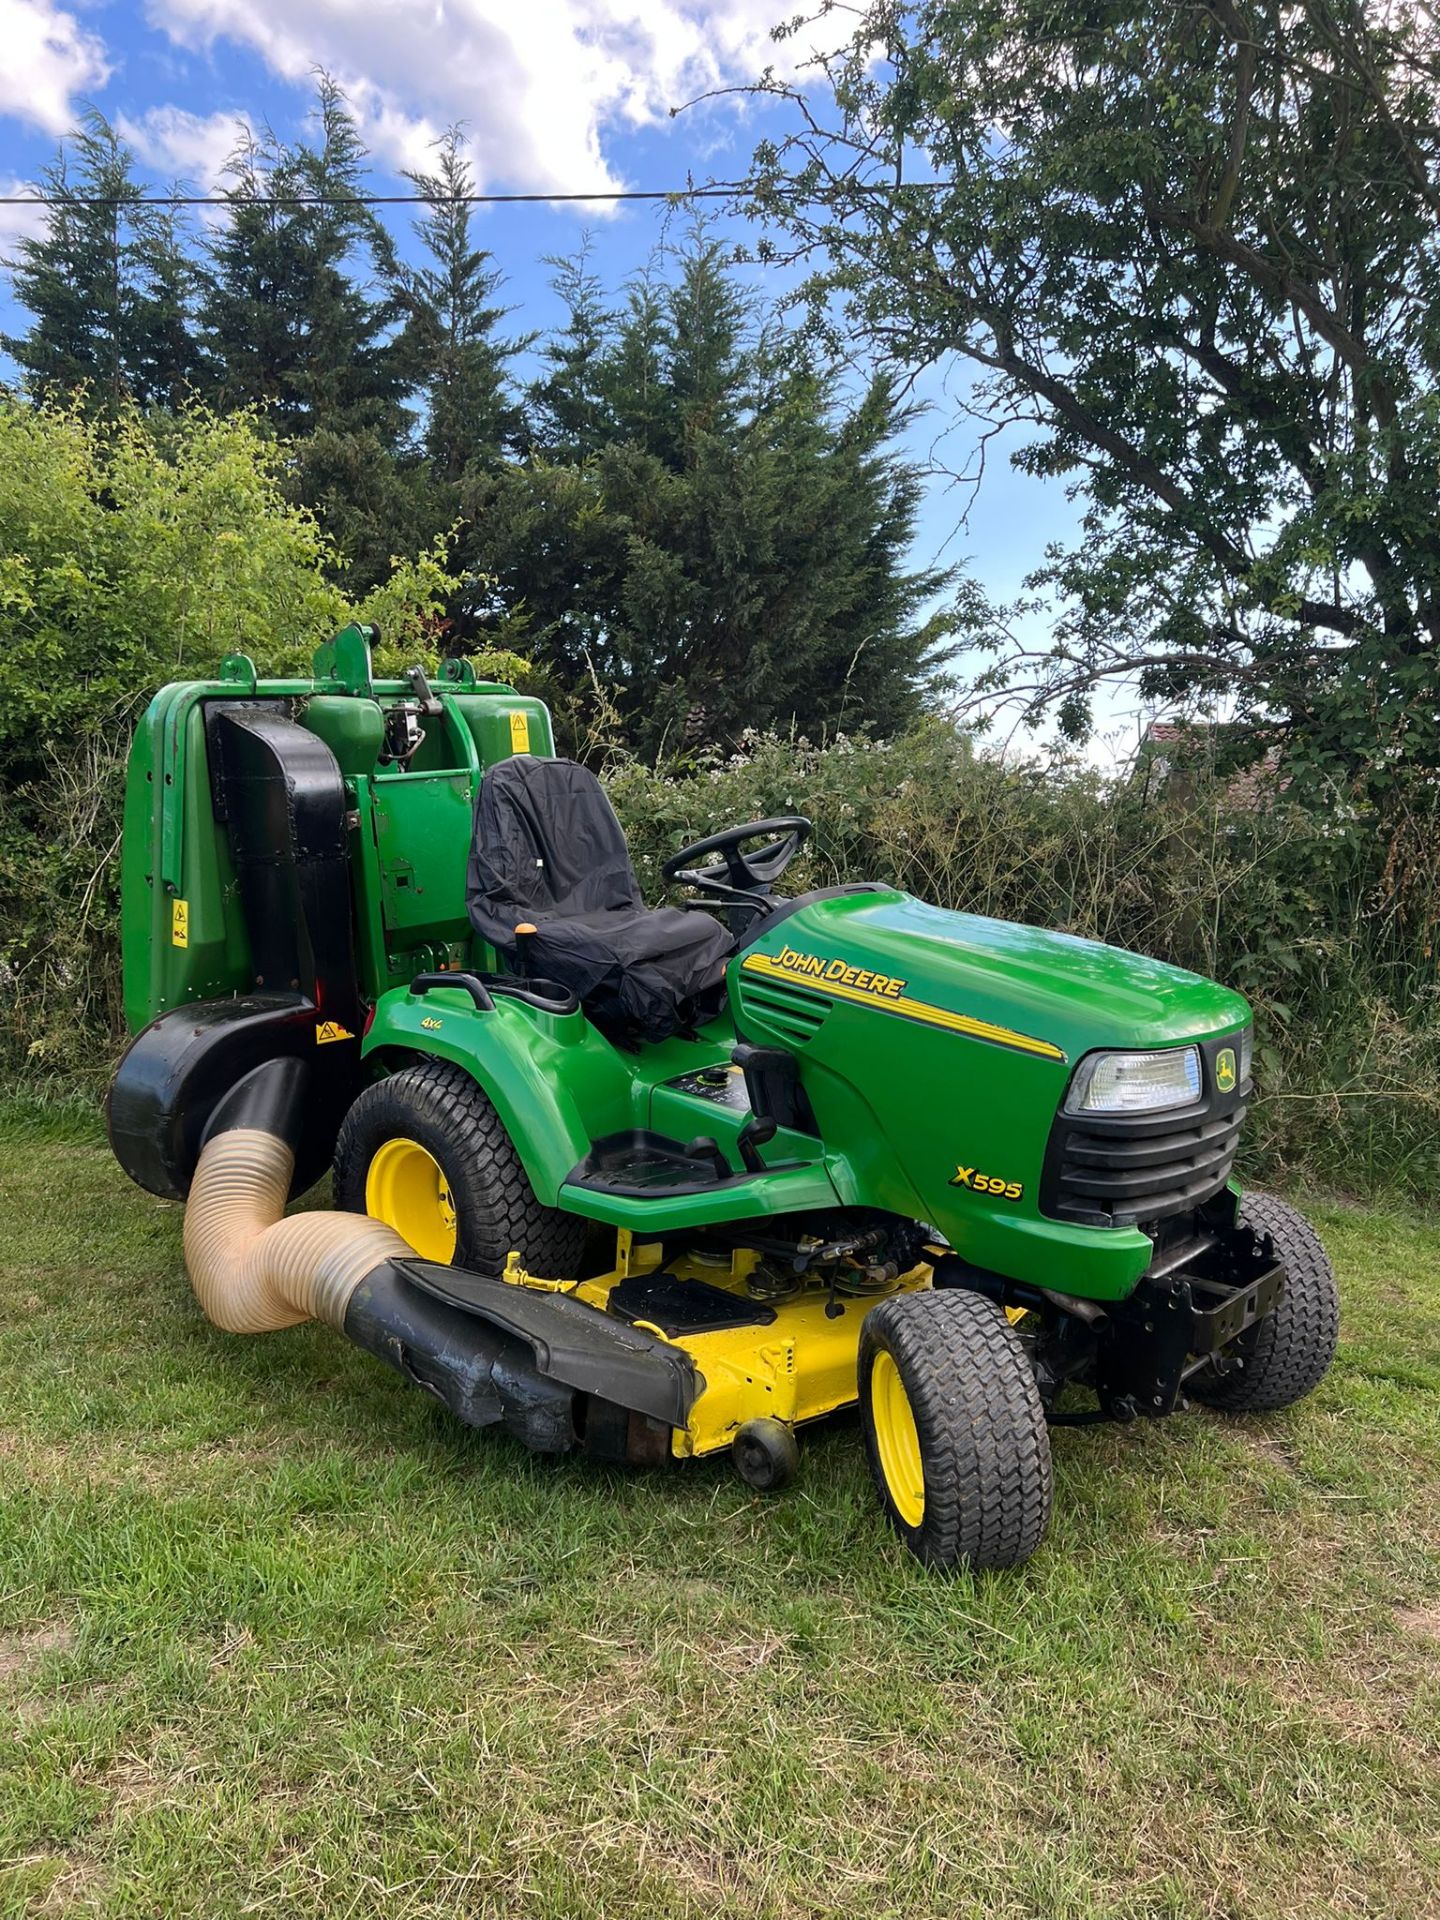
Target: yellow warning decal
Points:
(179, 923)
(331, 1030)
(519, 733)
(888, 1001)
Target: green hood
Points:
(1074, 994)
(935, 1046)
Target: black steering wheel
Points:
(748, 875)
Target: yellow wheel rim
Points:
(896, 1440)
(405, 1188)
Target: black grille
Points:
(791, 1011)
(1126, 1170)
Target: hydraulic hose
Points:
(253, 1271)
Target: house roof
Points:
(1169, 746)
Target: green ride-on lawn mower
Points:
(657, 1184)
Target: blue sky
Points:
(553, 95)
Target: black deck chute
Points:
(278, 791)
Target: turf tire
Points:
(984, 1445)
(1289, 1353)
(439, 1105)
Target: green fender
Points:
(556, 1084)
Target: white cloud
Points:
(48, 59)
(18, 223)
(184, 146)
(535, 82)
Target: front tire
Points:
(426, 1152)
(954, 1430)
(1289, 1353)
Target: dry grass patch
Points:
(21, 1652)
(1422, 1621)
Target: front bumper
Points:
(1198, 1297)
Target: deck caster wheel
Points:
(766, 1455)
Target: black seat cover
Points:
(548, 849)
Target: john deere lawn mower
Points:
(662, 1183)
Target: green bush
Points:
(133, 551)
(132, 554)
(1290, 911)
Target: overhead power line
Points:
(721, 192)
(355, 199)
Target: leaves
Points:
(135, 550)
(1194, 249)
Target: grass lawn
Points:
(276, 1637)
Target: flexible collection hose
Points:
(519, 1364)
(254, 1271)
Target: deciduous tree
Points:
(1193, 250)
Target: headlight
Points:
(1136, 1082)
(1247, 1055)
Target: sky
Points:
(553, 96)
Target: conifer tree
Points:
(709, 360)
(109, 283)
(570, 417)
(730, 549)
(301, 330)
(450, 347)
(637, 387)
(294, 324)
(168, 365)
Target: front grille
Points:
(1127, 1170)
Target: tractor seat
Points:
(550, 885)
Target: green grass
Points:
(276, 1637)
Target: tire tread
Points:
(983, 1438)
(496, 1206)
(1289, 1353)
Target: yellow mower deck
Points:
(798, 1368)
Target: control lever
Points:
(420, 687)
(704, 1147)
(772, 1080)
(759, 1128)
(763, 1059)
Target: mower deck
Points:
(792, 1360)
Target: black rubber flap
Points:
(685, 1306)
(178, 1070)
(573, 1342)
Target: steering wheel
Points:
(736, 872)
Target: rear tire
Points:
(1289, 1353)
(431, 1152)
(955, 1430)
